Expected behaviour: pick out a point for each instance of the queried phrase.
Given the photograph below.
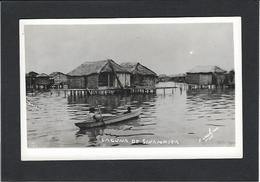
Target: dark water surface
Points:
(179, 118)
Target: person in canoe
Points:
(94, 115)
(128, 110)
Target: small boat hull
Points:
(116, 119)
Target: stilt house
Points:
(206, 75)
(99, 75)
(60, 80)
(43, 81)
(30, 81)
(230, 79)
(140, 75)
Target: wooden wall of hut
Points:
(217, 79)
(76, 82)
(43, 82)
(124, 79)
(149, 80)
(106, 79)
(205, 79)
(143, 80)
(92, 81)
(82, 82)
(30, 83)
(109, 80)
(95, 81)
(230, 79)
(199, 79)
(60, 80)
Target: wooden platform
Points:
(110, 91)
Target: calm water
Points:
(179, 118)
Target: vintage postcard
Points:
(131, 88)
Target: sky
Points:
(164, 48)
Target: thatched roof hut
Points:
(30, 80)
(206, 75)
(141, 75)
(43, 81)
(104, 73)
(59, 79)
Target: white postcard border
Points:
(110, 153)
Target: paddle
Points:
(100, 112)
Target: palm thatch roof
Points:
(137, 68)
(97, 67)
(206, 69)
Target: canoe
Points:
(111, 120)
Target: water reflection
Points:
(178, 115)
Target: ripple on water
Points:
(184, 116)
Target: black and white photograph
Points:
(131, 88)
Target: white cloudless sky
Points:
(164, 48)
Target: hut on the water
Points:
(230, 79)
(99, 74)
(43, 81)
(140, 74)
(30, 81)
(60, 80)
(206, 75)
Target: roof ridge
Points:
(147, 68)
(88, 67)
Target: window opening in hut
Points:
(103, 79)
(86, 81)
(111, 80)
